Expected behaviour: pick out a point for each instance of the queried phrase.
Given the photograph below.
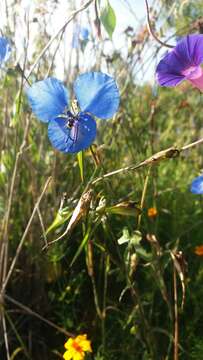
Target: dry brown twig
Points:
(166, 154)
(150, 28)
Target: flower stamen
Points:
(76, 346)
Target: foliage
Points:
(112, 275)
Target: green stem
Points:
(144, 191)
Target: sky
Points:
(128, 13)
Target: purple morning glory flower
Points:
(197, 185)
(97, 95)
(5, 50)
(183, 63)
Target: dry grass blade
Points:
(24, 237)
(179, 263)
(33, 313)
(81, 210)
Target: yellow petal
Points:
(79, 356)
(68, 343)
(81, 337)
(67, 355)
(83, 342)
(86, 345)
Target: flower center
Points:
(76, 346)
(193, 72)
(70, 119)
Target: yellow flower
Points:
(76, 348)
(152, 212)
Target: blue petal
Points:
(84, 33)
(5, 49)
(48, 99)
(73, 140)
(79, 34)
(97, 93)
(197, 185)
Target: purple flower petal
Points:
(193, 72)
(197, 185)
(190, 50)
(197, 81)
(72, 139)
(188, 54)
(168, 71)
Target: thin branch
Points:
(161, 155)
(62, 29)
(54, 54)
(144, 191)
(175, 314)
(31, 312)
(5, 231)
(150, 28)
(5, 337)
(200, 141)
(169, 153)
(42, 225)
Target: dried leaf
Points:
(180, 265)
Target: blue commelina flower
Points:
(197, 185)
(5, 50)
(97, 95)
(80, 34)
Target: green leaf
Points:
(131, 239)
(136, 238)
(125, 208)
(142, 253)
(78, 252)
(108, 18)
(16, 109)
(61, 217)
(80, 157)
(125, 238)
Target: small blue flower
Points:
(80, 34)
(84, 33)
(197, 185)
(5, 50)
(97, 96)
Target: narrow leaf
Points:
(80, 157)
(83, 243)
(15, 353)
(125, 208)
(61, 217)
